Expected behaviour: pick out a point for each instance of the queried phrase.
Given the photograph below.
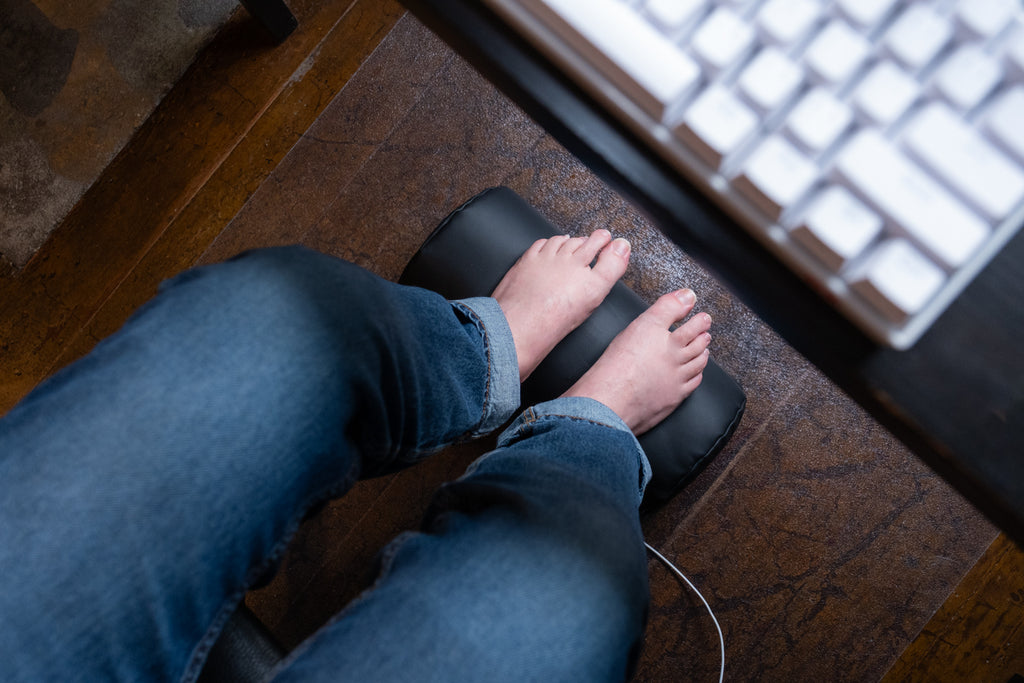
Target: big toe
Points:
(613, 259)
(671, 308)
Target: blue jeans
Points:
(144, 488)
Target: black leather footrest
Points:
(245, 652)
(469, 253)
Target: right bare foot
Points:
(552, 289)
(648, 370)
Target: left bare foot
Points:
(552, 289)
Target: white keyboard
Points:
(876, 146)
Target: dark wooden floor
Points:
(827, 550)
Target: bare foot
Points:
(552, 289)
(648, 370)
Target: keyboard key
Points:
(836, 53)
(722, 40)
(1014, 55)
(917, 36)
(984, 18)
(776, 176)
(817, 121)
(967, 77)
(1004, 122)
(885, 94)
(739, 6)
(770, 80)
(872, 167)
(716, 125)
(837, 227)
(957, 154)
(785, 22)
(675, 15)
(865, 13)
(817, 116)
(625, 47)
(897, 279)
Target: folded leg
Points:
(529, 568)
(142, 488)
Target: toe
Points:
(612, 260)
(696, 347)
(694, 381)
(671, 308)
(691, 330)
(553, 244)
(695, 366)
(592, 245)
(536, 247)
(572, 245)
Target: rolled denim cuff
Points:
(502, 396)
(580, 408)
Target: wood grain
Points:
(200, 126)
(978, 634)
(232, 185)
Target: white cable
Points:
(721, 638)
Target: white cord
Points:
(721, 638)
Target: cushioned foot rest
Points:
(473, 248)
(245, 652)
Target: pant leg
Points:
(142, 488)
(529, 568)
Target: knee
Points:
(564, 606)
(563, 560)
(253, 279)
(273, 289)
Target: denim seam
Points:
(385, 561)
(530, 418)
(479, 323)
(231, 602)
(533, 418)
(490, 365)
(202, 650)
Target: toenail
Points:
(620, 246)
(686, 296)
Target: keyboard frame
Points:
(716, 186)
